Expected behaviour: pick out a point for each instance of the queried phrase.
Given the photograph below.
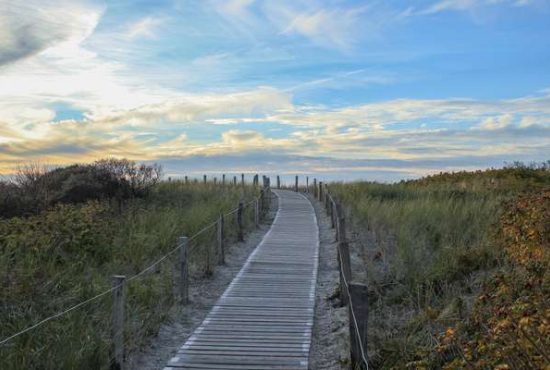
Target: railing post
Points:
(183, 280)
(320, 191)
(215, 180)
(223, 179)
(296, 184)
(118, 321)
(332, 214)
(315, 188)
(345, 270)
(242, 179)
(307, 184)
(256, 213)
(358, 320)
(186, 180)
(341, 226)
(204, 179)
(235, 180)
(221, 245)
(278, 182)
(260, 204)
(240, 233)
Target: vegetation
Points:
(431, 247)
(64, 252)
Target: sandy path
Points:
(329, 347)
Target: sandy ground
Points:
(203, 294)
(330, 342)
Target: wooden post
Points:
(307, 184)
(221, 246)
(204, 179)
(345, 270)
(183, 281)
(215, 180)
(320, 191)
(315, 188)
(242, 179)
(264, 181)
(296, 184)
(278, 182)
(223, 179)
(235, 180)
(240, 233)
(332, 214)
(327, 201)
(358, 320)
(257, 213)
(186, 180)
(341, 227)
(118, 321)
(261, 204)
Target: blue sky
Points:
(379, 90)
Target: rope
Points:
(346, 286)
(363, 356)
(142, 272)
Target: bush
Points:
(36, 188)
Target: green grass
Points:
(425, 246)
(65, 255)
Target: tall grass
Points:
(65, 255)
(425, 247)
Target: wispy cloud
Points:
(30, 27)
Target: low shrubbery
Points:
(430, 247)
(34, 187)
(66, 254)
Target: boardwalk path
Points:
(264, 318)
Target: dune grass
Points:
(66, 255)
(427, 248)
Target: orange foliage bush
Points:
(509, 327)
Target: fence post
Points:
(215, 180)
(296, 184)
(332, 214)
(345, 270)
(320, 191)
(204, 179)
(186, 180)
(256, 213)
(223, 179)
(358, 320)
(307, 184)
(260, 204)
(278, 182)
(183, 281)
(118, 321)
(234, 180)
(242, 179)
(315, 188)
(240, 234)
(221, 245)
(341, 226)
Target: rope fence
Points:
(244, 216)
(352, 294)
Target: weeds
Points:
(65, 255)
(429, 247)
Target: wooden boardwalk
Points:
(265, 317)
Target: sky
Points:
(378, 90)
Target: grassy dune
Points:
(66, 254)
(429, 249)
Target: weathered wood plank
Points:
(264, 319)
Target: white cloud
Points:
(31, 26)
(464, 5)
(145, 27)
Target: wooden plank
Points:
(264, 319)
